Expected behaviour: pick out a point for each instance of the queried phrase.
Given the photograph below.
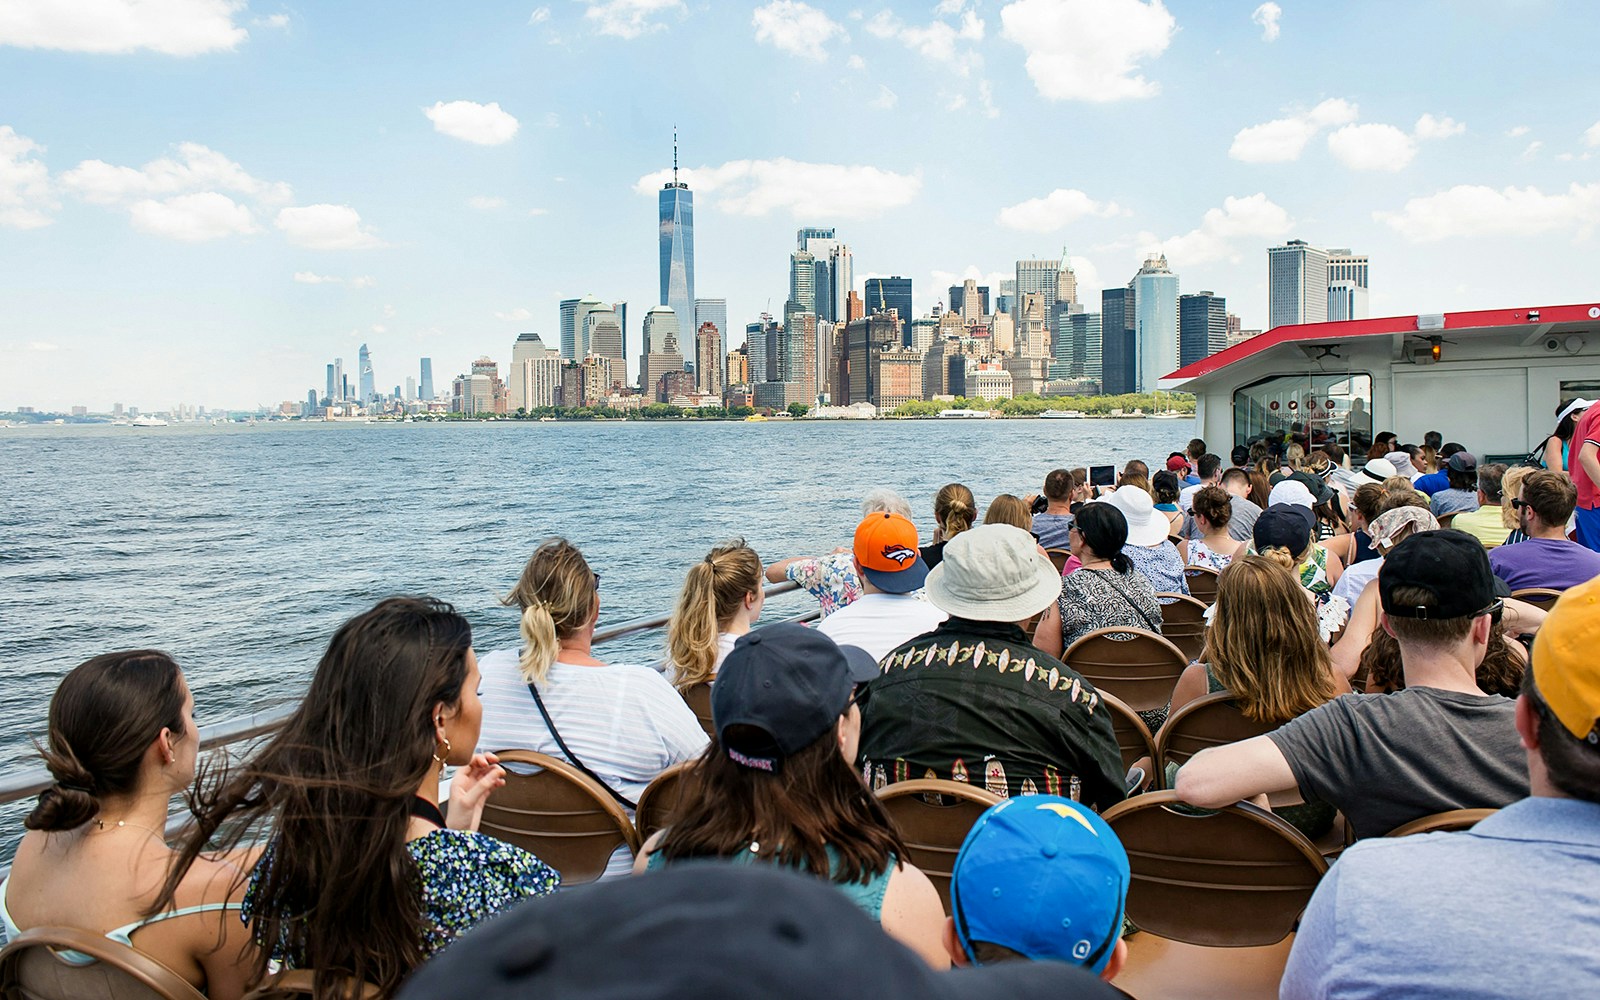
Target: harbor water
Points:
(240, 548)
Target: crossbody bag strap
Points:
(572, 757)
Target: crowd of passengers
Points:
(327, 847)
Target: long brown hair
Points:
(1263, 644)
(815, 802)
(1500, 672)
(713, 591)
(954, 508)
(556, 594)
(339, 891)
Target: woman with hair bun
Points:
(1214, 548)
(122, 742)
(721, 598)
(954, 511)
(624, 724)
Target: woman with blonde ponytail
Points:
(954, 511)
(624, 724)
(721, 599)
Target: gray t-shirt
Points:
(1387, 759)
(1051, 529)
(1242, 515)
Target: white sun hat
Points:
(1291, 491)
(993, 573)
(1146, 525)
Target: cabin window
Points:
(1321, 407)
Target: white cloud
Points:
(630, 18)
(1474, 210)
(538, 211)
(484, 124)
(1055, 211)
(194, 168)
(1429, 127)
(326, 227)
(359, 281)
(517, 315)
(193, 218)
(1533, 149)
(171, 27)
(796, 28)
(1517, 131)
(1283, 139)
(278, 21)
(885, 100)
(1591, 135)
(43, 346)
(1087, 274)
(26, 199)
(856, 62)
(1089, 50)
(938, 41)
(539, 15)
(1267, 16)
(485, 203)
(806, 190)
(1251, 218)
(1372, 147)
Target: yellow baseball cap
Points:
(1565, 666)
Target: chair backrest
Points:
(30, 969)
(1237, 877)
(1059, 557)
(1183, 623)
(1202, 583)
(658, 803)
(1444, 822)
(1542, 598)
(933, 816)
(299, 984)
(698, 698)
(1133, 736)
(1213, 720)
(560, 814)
(1137, 666)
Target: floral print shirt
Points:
(831, 580)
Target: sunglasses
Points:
(1520, 504)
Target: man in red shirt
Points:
(1583, 465)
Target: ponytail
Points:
(954, 507)
(713, 591)
(1122, 564)
(556, 593)
(540, 647)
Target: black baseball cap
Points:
(714, 932)
(1449, 565)
(1283, 525)
(1462, 461)
(785, 685)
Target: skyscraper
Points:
(1155, 292)
(411, 389)
(1346, 300)
(1202, 326)
(602, 337)
(567, 331)
(581, 311)
(970, 299)
(1117, 353)
(1297, 284)
(663, 350)
(1042, 276)
(715, 312)
(891, 293)
(368, 391)
(338, 380)
(426, 389)
(332, 386)
(676, 203)
(841, 278)
(1346, 266)
(803, 280)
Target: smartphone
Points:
(1102, 475)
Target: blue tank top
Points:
(866, 895)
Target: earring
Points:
(442, 757)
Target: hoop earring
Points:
(441, 758)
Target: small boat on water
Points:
(755, 418)
(148, 422)
(965, 414)
(1062, 415)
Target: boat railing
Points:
(34, 780)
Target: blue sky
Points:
(205, 202)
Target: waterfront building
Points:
(855, 374)
(891, 293)
(1346, 300)
(708, 357)
(738, 394)
(570, 394)
(1297, 284)
(653, 366)
(1202, 326)
(676, 234)
(1028, 373)
(796, 356)
(1117, 354)
(535, 373)
(661, 338)
(426, 382)
(971, 300)
(596, 379)
(738, 371)
(472, 395)
(671, 385)
(1155, 322)
(898, 378)
(778, 395)
(990, 382)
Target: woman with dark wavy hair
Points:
(122, 742)
(363, 877)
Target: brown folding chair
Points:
(1543, 598)
(1133, 736)
(30, 969)
(1183, 623)
(658, 803)
(1059, 557)
(1213, 720)
(1443, 822)
(299, 984)
(1202, 583)
(1137, 666)
(1216, 897)
(934, 816)
(560, 814)
(698, 698)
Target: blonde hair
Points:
(954, 507)
(1510, 488)
(1263, 644)
(1280, 556)
(1008, 509)
(556, 593)
(1294, 457)
(713, 591)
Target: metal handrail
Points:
(37, 779)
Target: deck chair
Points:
(1202, 583)
(1059, 557)
(1443, 822)
(1137, 666)
(1542, 598)
(1213, 720)
(698, 698)
(298, 984)
(560, 814)
(30, 969)
(658, 803)
(1133, 736)
(934, 816)
(1216, 897)
(1183, 623)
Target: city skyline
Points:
(172, 234)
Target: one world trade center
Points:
(677, 251)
